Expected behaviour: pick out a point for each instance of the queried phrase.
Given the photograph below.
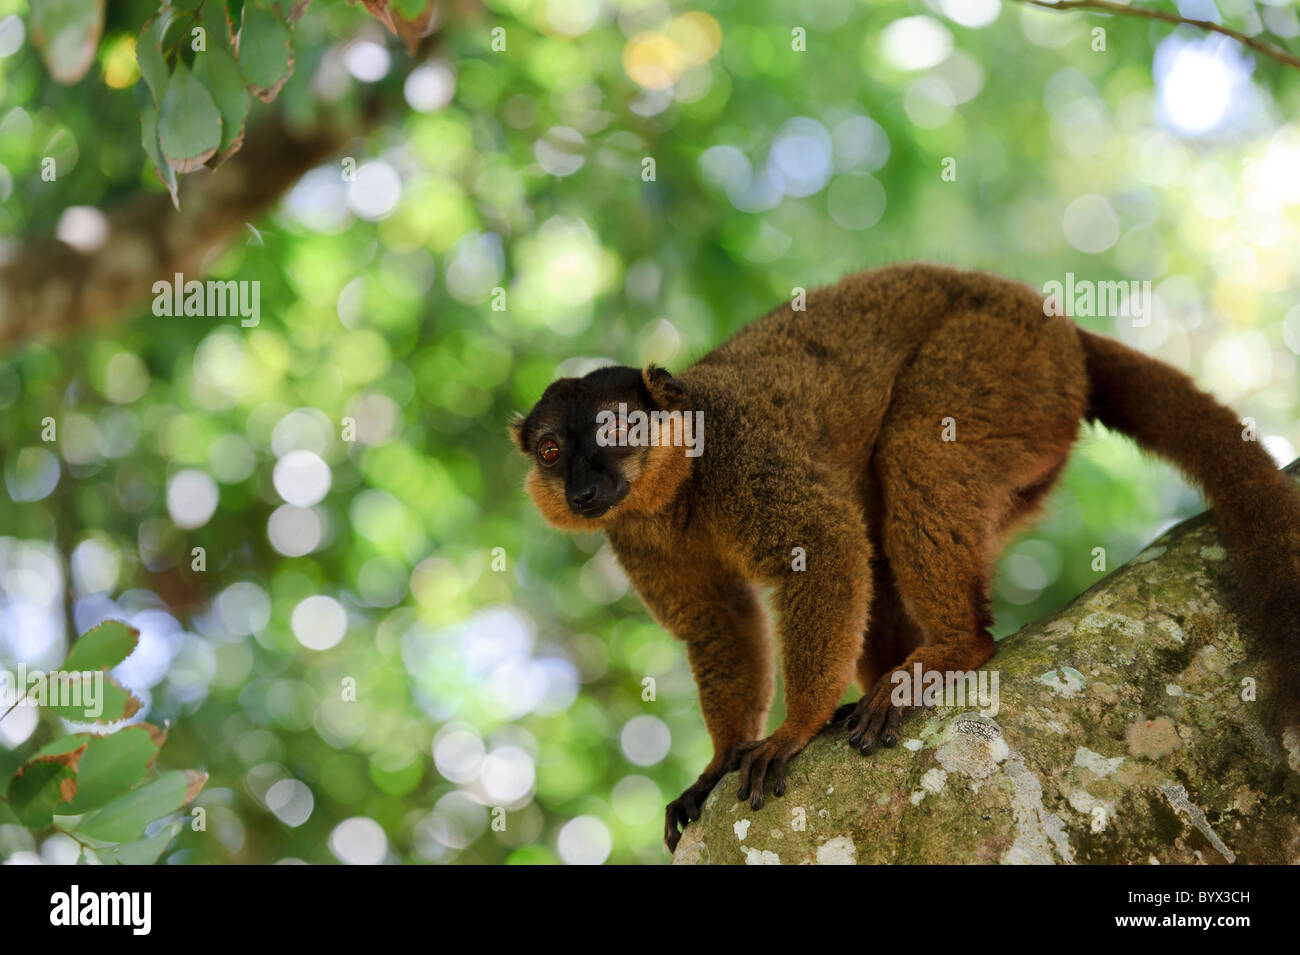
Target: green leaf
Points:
(149, 58)
(112, 765)
(407, 19)
(216, 22)
(189, 125)
(265, 56)
(64, 744)
(125, 818)
(149, 140)
(43, 783)
(114, 703)
(174, 31)
(144, 852)
(102, 647)
(67, 33)
(219, 73)
(296, 10)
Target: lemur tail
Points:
(1255, 504)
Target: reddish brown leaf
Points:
(410, 30)
(70, 759)
(197, 780)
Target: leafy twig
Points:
(1110, 6)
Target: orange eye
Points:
(548, 451)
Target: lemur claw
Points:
(876, 718)
(843, 715)
(759, 760)
(685, 809)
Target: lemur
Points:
(825, 431)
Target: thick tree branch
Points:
(1109, 6)
(1131, 726)
(47, 288)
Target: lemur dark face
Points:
(583, 468)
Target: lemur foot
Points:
(685, 809)
(758, 760)
(841, 714)
(874, 718)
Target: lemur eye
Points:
(548, 451)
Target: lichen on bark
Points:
(1126, 732)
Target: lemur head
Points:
(586, 471)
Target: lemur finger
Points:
(671, 834)
(760, 776)
(871, 730)
(745, 762)
(778, 777)
(892, 721)
(757, 777)
(845, 713)
(734, 756)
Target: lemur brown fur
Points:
(824, 430)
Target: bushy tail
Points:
(1256, 505)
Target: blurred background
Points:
(388, 657)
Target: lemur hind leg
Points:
(938, 550)
(980, 436)
(890, 634)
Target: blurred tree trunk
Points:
(47, 288)
(1127, 733)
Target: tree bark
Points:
(1126, 732)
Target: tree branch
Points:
(1132, 725)
(1109, 6)
(48, 288)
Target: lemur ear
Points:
(517, 431)
(663, 387)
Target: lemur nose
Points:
(584, 497)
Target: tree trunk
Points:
(1127, 732)
(48, 289)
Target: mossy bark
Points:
(1133, 726)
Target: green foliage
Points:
(219, 73)
(264, 50)
(100, 790)
(200, 70)
(38, 787)
(126, 818)
(189, 123)
(67, 32)
(110, 766)
(102, 647)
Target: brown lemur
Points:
(824, 430)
